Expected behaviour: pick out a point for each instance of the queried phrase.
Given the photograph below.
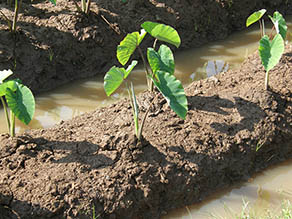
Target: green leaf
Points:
(21, 102)
(53, 1)
(115, 77)
(173, 91)
(279, 23)
(271, 52)
(5, 74)
(12, 85)
(254, 17)
(130, 68)
(162, 60)
(162, 32)
(128, 45)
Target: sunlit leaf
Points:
(130, 68)
(115, 77)
(162, 60)
(53, 1)
(21, 102)
(12, 85)
(5, 74)
(280, 24)
(128, 45)
(254, 17)
(173, 91)
(162, 32)
(271, 52)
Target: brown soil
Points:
(93, 160)
(233, 129)
(55, 44)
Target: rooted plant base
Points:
(233, 129)
(55, 45)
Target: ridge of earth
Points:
(234, 128)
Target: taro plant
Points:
(277, 19)
(270, 53)
(160, 74)
(270, 50)
(18, 98)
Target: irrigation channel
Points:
(266, 190)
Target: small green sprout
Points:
(270, 51)
(270, 54)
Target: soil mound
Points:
(91, 163)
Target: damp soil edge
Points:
(233, 129)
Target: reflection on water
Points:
(209, 69)
(266, 191)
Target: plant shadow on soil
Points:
(249, 113)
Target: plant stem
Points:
(261, 28)
(12, 126)
(134, 108)
(87, 9)
(145, 67)
(83, 5)
(263, 24)
(6, 113)
(267, 81)
(154, 44)
(144, 118)
(16, 10)
(77, 6)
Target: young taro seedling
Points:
(19, 99)
(161, 74)
(270, 51)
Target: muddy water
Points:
(194, 64)
(266, 191)
(83, 96)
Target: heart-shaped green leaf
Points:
(254, 17)
(21, 102)
(5, 74)
(128, 45)
(173, 92)
(162, 60)
(12, 85)
(115, 77)
(162, 32)
(271, 52)
(279, 23)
